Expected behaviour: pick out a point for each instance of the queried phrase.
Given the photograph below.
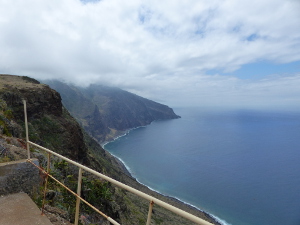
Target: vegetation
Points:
(95, 191)
(48, 128)
(4, 127)
(5, 116)
(4, 159)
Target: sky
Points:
(180, 53)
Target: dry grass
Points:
(18, 82)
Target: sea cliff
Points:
(107, 112)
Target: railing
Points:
(82, 168)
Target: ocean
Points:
(241, 166)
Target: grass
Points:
(17, 82)
(4, 159)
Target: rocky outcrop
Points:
(50, 124)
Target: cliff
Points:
(106, 112)
(51, 126)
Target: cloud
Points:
(273, 92)
(150, 47)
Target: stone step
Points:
(19, 209)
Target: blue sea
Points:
(241, 166)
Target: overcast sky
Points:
(192, 52)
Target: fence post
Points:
(150, 213)
(77, 198)
(26, 128)
(46, 183)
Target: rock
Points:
(19, 176)
(50, 195)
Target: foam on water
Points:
(117, 137)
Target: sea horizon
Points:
(138, 134)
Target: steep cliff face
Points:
(124, 110)
(50, 124)
(105, 112)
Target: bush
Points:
(8, 114)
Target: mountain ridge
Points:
(106, 112)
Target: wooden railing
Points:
(82, 168)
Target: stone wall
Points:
(19, 176)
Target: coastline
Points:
(124, 133)
(172, 199)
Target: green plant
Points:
(34, 150)
(4, 127)
(38, 197)
(62, 170)
(6, 132)
(61, 165)
(5, 159)
(8, 114)
(2, 105)
(94, 191)
(98, 189)
(33, 134)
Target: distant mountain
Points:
(106, 112)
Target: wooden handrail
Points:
(82, 168)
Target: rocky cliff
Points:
(106, 112)
(51, 125)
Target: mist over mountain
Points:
(106, 112)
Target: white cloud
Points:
(157, 49)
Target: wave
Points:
(119, 136)
(127, 167)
